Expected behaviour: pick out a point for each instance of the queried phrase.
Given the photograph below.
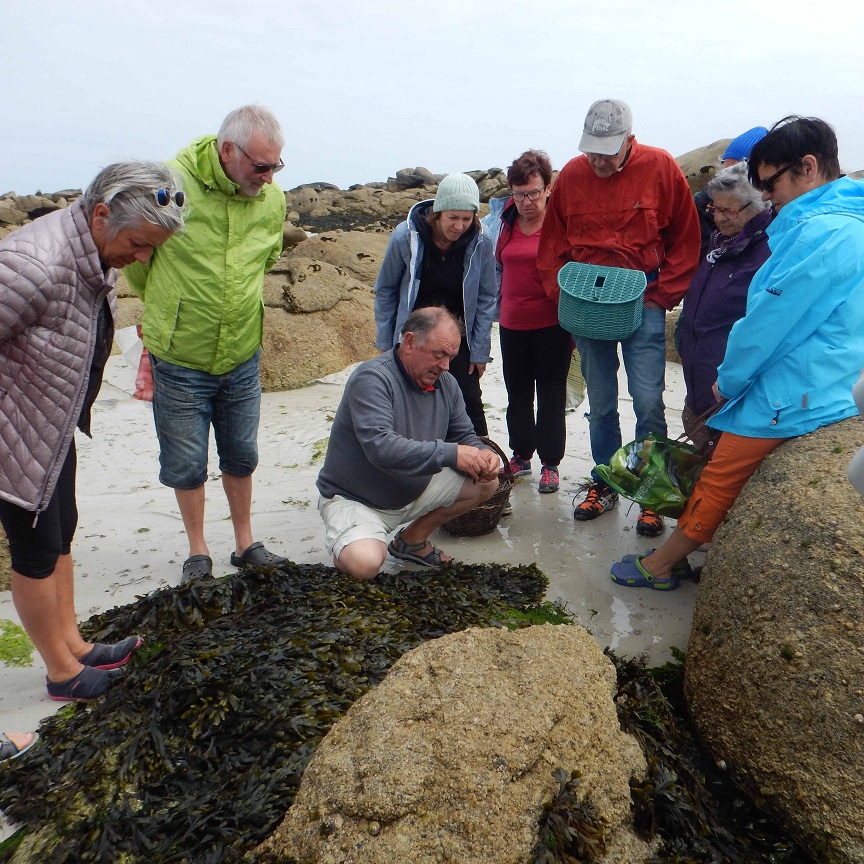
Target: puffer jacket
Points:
(715, 300)
(202, 289)
(51, 290)
(792, 360)
(398, 284)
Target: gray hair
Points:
(239, 126)
(129, 190)
(734, 181)
(421, 322)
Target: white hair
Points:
(734, 181)
(129, 190)
(239, 126)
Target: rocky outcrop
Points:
(451, 758)
(775, 665)
(700, 165)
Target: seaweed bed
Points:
(197, 753)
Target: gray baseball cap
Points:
(606, 126)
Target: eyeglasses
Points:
(165, 196)
(731, 212)
(533, 195)
(259, 167)
(767, 185)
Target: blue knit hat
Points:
(457, 192)
(739, 148)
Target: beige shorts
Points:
(346, 521)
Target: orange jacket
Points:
(642, 218)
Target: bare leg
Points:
(470, 495)
(362, 559)
(675, 549)
(191, 503)
(43, 606)
(238, 491)
(67, 620)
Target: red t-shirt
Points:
(524, 302)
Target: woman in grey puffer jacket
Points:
(56, 325)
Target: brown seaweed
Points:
(196, 755)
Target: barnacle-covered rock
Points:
(775, 667)
(454, 755)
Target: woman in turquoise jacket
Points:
(791, 362)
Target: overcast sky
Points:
(365, 88)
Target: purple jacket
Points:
(715, 300)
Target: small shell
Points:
(374, 828)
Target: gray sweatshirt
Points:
(389, 436)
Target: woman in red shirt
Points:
(535, 350)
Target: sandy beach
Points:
(130, 539)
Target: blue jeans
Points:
(186, 402)
(645, 363)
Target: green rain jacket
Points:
(202, 290)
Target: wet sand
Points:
(130, 538)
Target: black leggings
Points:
(470, 387)
(34, 549)
(536, 360)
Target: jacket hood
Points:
(201, 159)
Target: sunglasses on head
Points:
(767, 185)
(259, 167)
(165, 196)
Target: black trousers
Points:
(536, 360)
(470, 387)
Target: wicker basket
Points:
(484, 517)
(600, 302)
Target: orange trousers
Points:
(732, 465)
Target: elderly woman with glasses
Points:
(717, 296)
(57, 308)
(792, 360)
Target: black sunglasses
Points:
(259, 167)
(767, 185)
(165, 196)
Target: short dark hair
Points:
(421, 322)
(531, 162)
(792, 138)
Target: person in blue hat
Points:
(738, 150)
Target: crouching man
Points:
(402, 450)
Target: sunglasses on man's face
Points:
(767, 185)
(260, 167)
(165, 196)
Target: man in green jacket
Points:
(203, 323)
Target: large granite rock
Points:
(359, 253)
(775, 666)
(452, 757)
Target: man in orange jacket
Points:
(622, 204)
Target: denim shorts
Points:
(186, 402)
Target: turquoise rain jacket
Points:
(792, 360)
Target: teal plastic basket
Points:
(600, 302)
